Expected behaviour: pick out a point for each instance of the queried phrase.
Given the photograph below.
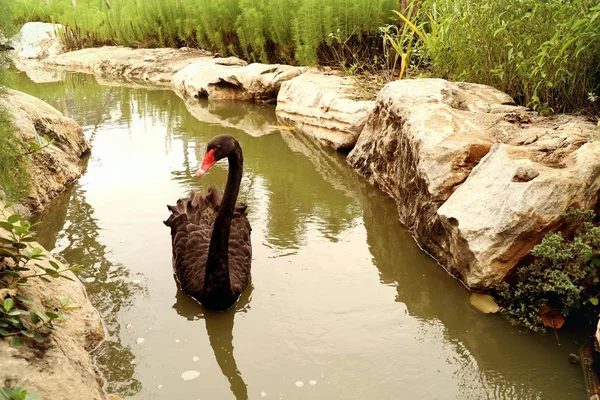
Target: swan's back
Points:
(191, 222)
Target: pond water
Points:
(342, 303)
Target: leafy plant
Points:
(543, 53)
(19, 265)
(563, 279)
(404, 38)
(18, 393)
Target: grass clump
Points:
(543, 53)
(563, 279)
(258, 30)
(14, 179)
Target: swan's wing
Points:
(240, 252)
(191, 223)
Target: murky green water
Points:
(343, 304)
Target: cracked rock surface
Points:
(477, 180)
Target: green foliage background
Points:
(14, 180)
(546, 54)
(259, 30)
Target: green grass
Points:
(14, 178)
(543, 53)
(258, 30)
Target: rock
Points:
(259, 83)
(323, 106)
(54, 167)
(477, 180)
(37, 40)
(155, 66)
(231, 79)
(194, 79)
(61, 366)
(574, 359)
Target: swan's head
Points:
(219, 147)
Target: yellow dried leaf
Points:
(484, 303)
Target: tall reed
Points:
(259, 30)
(545, 54)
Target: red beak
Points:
(209, 161)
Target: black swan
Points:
(210, 235)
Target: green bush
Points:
(543, 53)
(562, 280)
(259, 30)
(14, 181)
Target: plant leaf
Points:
(27, 334)
(34, 318)
(6, 225)
(551, 318)
(8, 304)
(16, 342)
(14, 218)
(23, 299)
(52, 315)
(37, 337)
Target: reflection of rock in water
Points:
(430, 295)
(254, 119)
(219, 327)
(36, 73)
(75, 235)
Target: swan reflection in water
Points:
(219, 327)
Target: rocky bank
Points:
(54, 167)
(61, 367)
(477, 180)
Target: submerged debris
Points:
(484, 303)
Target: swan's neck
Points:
(217, 279)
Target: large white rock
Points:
(37, 40)
(325, 107)
(232, 79)
(151, 66)
(55, 167)
(194, 79)
(477, 180)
